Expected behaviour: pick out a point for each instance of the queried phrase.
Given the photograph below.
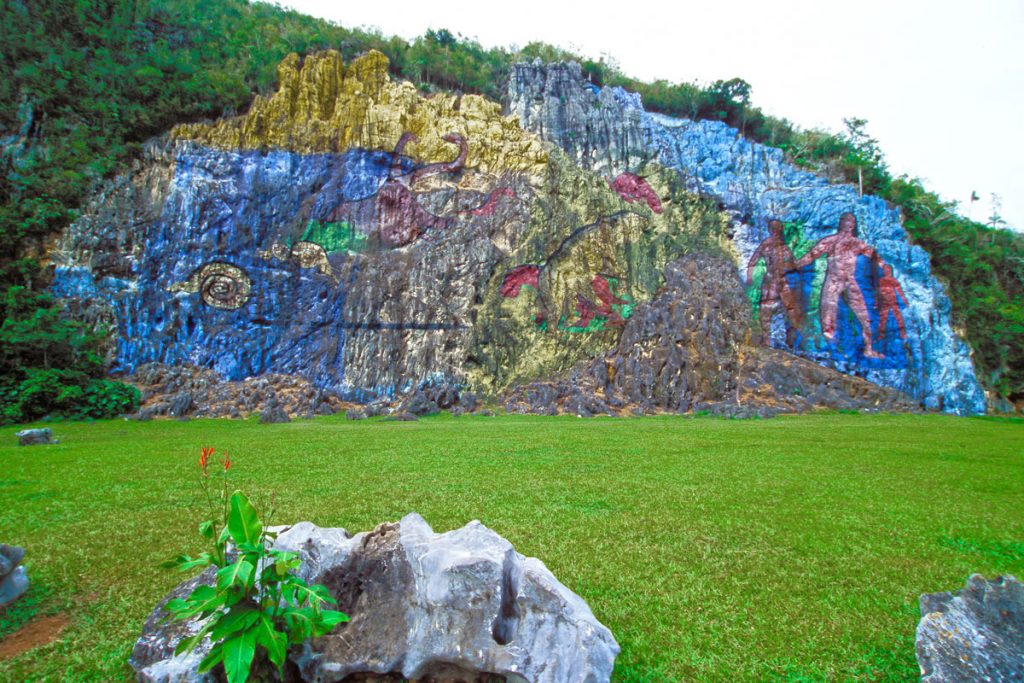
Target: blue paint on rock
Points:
(228, 207)
(610, 132)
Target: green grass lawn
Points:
(788, 549)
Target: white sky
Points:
(941, 83)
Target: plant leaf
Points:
(212, 659)
(243, 522)
(238, 573)
(175, 605)
(204, 560)
(330, 618)
(300, 623)
(203, 599)
(304, 593)
(275, 642)
(240, 618)
(238, 654)
(175, 562)
(189, 644)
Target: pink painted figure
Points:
(775, 290)
(842, 250)
(889, 294)
(632, 188)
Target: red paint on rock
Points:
(519, 276)
(633, 188)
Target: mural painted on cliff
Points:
(340, 251)
(609, 308)
(372, 259)
(835, 297)
(608, 131)
(596, 303)
(353, 232)
(219, 285)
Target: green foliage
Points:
(257, 606)
(984, 268)
(49, 366)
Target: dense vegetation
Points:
(83, 83)
(791, 549)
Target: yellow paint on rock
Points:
(322, 106)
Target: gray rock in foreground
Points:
(975, 634)
(13, 580)
(458, 606)
(274, 415)
(35, 437)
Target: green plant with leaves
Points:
(256, 606)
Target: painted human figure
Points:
(842, 250)
(889, 294)
(775, 290)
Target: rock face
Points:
(690, 349)
(892, 329)
(352, 233)
(13, 580)
(35, 437)
(188, 391)
(458, 606)
(975, 634)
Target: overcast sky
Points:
(941, 83)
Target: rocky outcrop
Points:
(13, 580)
(457, 606)
(975, 634)
(370, 271)
(322, 106)
(690, 349)
(371, 241)
(587, 122)
(187, 391)
(35, 437)
(903, 340)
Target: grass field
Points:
(791, 549)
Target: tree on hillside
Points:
(863, 149)
(996, 220)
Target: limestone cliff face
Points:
(353, 232)
(321, 106)
(839, 306)
(372, 240)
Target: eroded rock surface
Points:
(461, 606)
(13, 580)
(691, 349)
(903, 340)
(351, 232)
(974, 634)
(35, 437)
(187, 391)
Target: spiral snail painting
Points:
(219, 284)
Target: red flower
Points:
(204, 458)
(227, 462)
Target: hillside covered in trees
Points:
(86, 83)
